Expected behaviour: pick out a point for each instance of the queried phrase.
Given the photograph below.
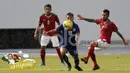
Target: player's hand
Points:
(80, 17)
(45, 33)
(77, 42)
(126, 43)
(36, 36)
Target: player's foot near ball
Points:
(42, 64)
(63, 63)
(84, 60)
(96, 67)
(69, 67)
(78, 68)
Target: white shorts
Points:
(101, 45)
(45, 40)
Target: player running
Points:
(70, 33)
(106, 29)
(48, 19)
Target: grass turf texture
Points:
(108, 64)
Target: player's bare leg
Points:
(65, 58)
(92, 55)
(60, 56)
(42, 54)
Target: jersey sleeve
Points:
(59, 28)
(114, 27)
(77, 29)
(98, 21)
(57, 20)
(5, 59)
(40, 20)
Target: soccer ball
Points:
(68, 24)
(20, 52)
(26, 56)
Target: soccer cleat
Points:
(78, 68)
(42, 64)
(63, 63)
(84, 60)
(96, 67)
(69, 67)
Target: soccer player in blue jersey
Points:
(70, 40)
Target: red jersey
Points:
(49, 22)
(106, 29)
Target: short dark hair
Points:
(106, 11)
(70, 14)
(47, 5)
(10, 54)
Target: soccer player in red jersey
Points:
(48, 19)
(106, 29)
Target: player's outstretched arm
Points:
(86, 19)
(51, 31)
(123, 39)
(59, 28)
(37, 31)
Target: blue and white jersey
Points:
(68, 36)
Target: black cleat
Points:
(69, 67)
(96, 67)
(84, 60)
(78, 68)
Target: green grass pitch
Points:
(108, 64)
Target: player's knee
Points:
(42, 50)
(43, 47)
(93, 43)
(63, 51)
(57, 47)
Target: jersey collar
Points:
(48, 16)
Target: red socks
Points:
(93, 57)
(90, 51)
(91, 54)
(43, 55)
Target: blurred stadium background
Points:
(19, 18)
